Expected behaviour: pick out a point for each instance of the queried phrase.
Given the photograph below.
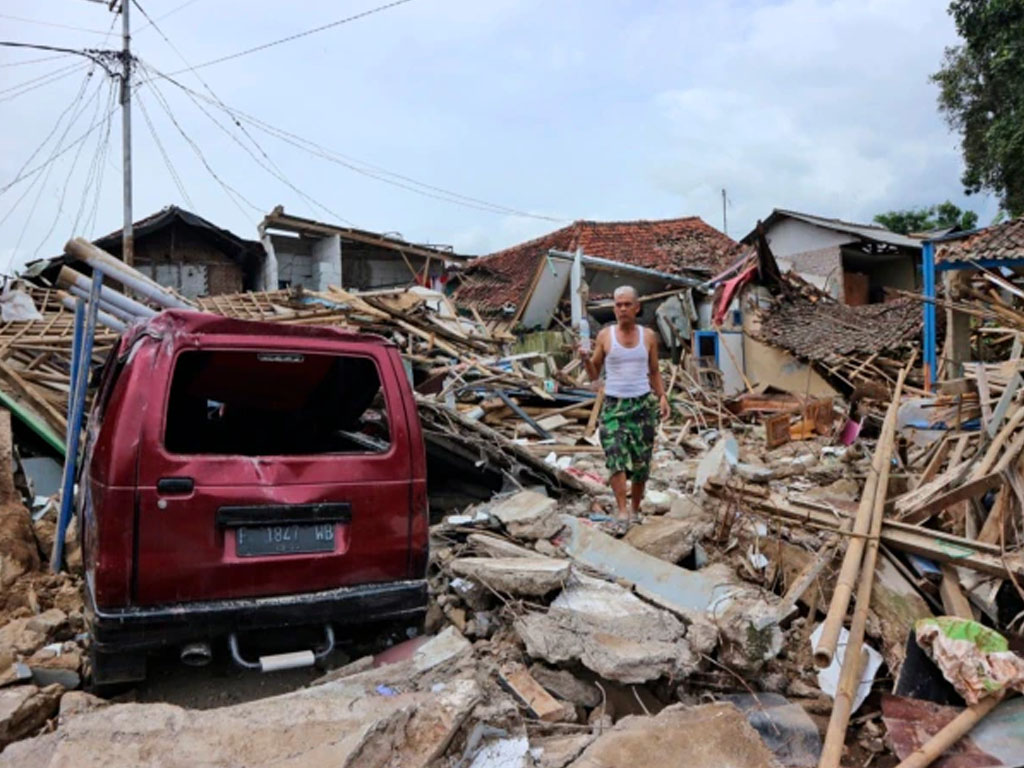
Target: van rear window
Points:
(275, 403)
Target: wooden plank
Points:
(932, 468)
(595, 413)
(969, 490)
(954, 601)
(541, 704)
(984, 394)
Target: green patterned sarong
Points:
(628, 425)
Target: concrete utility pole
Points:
(127, 236)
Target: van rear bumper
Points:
(149, 628)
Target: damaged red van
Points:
(245, 476)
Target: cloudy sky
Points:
(528, 113)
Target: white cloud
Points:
(577, 109)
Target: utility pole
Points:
(127, 236)
(725, 221)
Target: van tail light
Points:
(419, 531)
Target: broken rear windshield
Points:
(272, 403)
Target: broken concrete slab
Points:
(24, 709)
(528, 515)
(420, 655)
(669, 539)
(718, 463)
(684, 508)
(495, 546)
(610, 631)
(559, 751)
(746, 617)
(527, 576)
(328, 725)
(709, 736)
(566, 686)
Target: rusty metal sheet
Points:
(998, 740)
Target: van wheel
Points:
(114, 668)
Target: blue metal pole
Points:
(76, 354)
(930, 353)
(79, 387)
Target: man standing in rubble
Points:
(628, 352)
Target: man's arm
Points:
(654, 372)
(595, 362)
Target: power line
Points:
(52, 24)
(231, 192)
(296, 36)
(163, 153)
(361, 167)
(27, 85)
(67, 181)
(33, 61)
(164, 16)
(273, 169)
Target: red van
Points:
(243, 476)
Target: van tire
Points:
(111, 669)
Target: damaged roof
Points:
(235, 247)
(871, 232)
(823, 329)
(1002, 241)
(681, 247)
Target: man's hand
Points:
(584, 354)
(663, 406)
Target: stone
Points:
(339, 724)
(24, 709)
(709, 736)
(669, 539)
(527, 690)
(567, 686)
(521, 576)
(528, 515)
(78, 702)
(19, 553)
(48, 623)
(17, 638)
(472, 593)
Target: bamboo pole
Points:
(956, 729)
(849, 678)
(826, 647)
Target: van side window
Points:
(254, 403)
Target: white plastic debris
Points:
(828, 678)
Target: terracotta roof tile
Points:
(1002, 241)
(676, 246)
(822, 330)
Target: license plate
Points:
(252, 541)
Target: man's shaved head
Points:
(626, 291)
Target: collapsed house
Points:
(695, 638)
(852, 263)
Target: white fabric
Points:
(626, 368)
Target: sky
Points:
(523, 115)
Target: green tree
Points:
(981, 95)
(922, 219)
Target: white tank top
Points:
(626, 368)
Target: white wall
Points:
(789, 236)
(327, 262)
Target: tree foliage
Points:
(923, 219)
(981, 95)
